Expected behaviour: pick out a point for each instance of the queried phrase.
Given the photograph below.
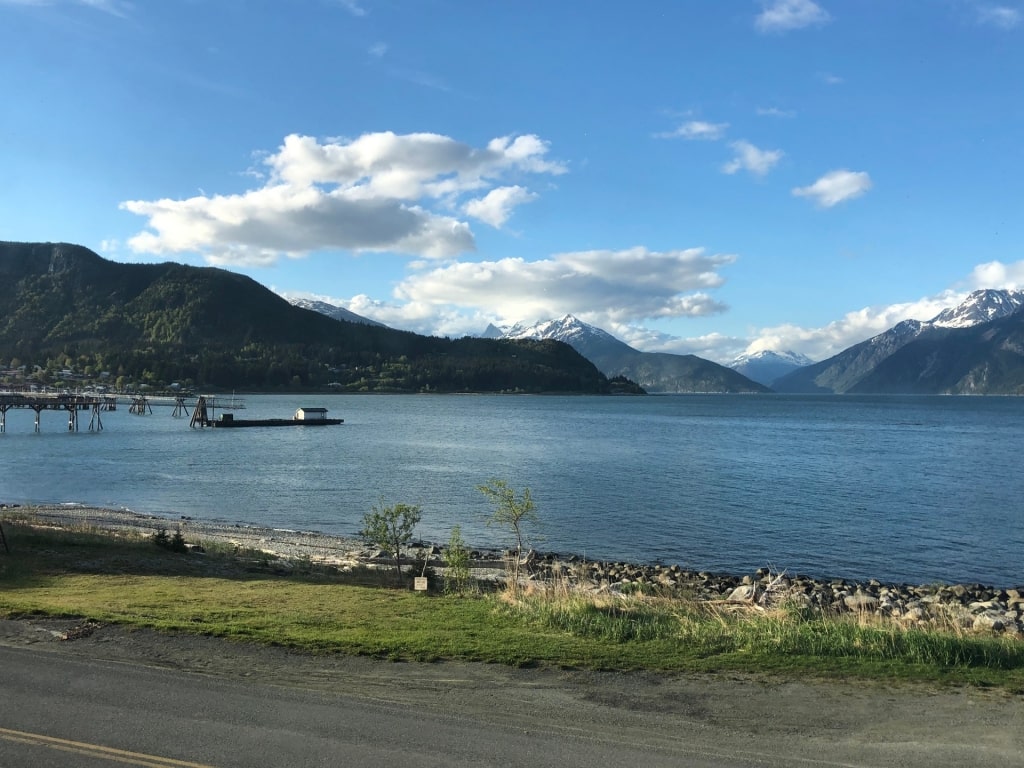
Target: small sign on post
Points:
(419, 583)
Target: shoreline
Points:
(967, 606)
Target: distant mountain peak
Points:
(766, 365)
(654, 371)
(794, 358)
(982, 306)
(568, 328)
(332, 310)
(969, 348)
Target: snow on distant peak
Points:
(567, 329)
(769, 355)
(331, 310)
(982, 306)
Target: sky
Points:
(704, 177)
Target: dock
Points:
(203, 416)
(203, 412)
(71, 404)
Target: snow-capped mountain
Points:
(766, 366)
(569, 329)
(338, 313)
(973, 347)
(982, 306)
(657, 372)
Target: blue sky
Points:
(696, 177)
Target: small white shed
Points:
(311, 414)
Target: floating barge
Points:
(304, 417)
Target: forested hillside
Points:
(65, 310)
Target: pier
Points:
(203, 413)
(71, 404)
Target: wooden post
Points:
(4, 538)
(200, 417)
(95, 420)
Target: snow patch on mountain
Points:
(767, 355)
(331, 310)
(981, 306)
(766, 366)
(569, 329)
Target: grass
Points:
(253, 597)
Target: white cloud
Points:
(696, 129)
(712, 346)
(775, 112)
(995, 274)
(784, 15)
(379, 192)
(750, 158)
(603, 287)
(835, 187)
(1000, 16)
(353, 7)
(496, 206)
(829, 79)
(377, 50)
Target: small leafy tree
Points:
(390, 529)
(511, 511)
(456, 559)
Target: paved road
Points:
(63, 711)
(117, 698)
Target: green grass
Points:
(252, 597)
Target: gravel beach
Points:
(318, 547)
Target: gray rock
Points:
(861, 601)
(744, 593)
(989, 621)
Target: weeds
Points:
(709, 628)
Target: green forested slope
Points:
(64, 307)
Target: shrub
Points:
(457, 580)
(390, 529)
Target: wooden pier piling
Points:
(40, 402)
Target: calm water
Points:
(914, 489)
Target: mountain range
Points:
(972, 348)
(66, 311)
(656, 372)
(64, 308)
(976, 347)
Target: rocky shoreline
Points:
(974, 607)
(966, 606)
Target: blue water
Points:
(909, 489)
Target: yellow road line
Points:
(97, 751)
